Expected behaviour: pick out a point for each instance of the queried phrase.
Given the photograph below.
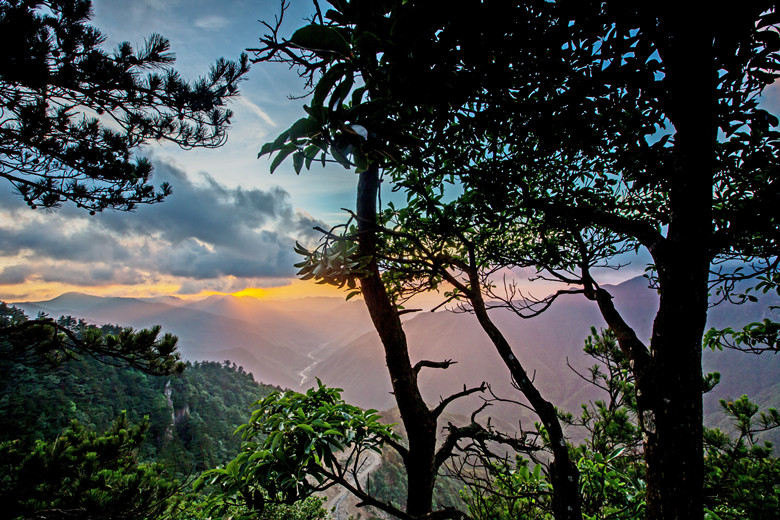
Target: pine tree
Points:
(72, 114)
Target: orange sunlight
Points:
(296, 289)
(40, 291)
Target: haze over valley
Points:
(289, 343)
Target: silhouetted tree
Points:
(576, 131)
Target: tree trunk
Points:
(419, 422)
(670, 403)
(564, 476)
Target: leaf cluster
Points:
(554, 122)
(296, 444)
(83, 474)
(742, 475)
(336, 261)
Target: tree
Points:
(84, 475)
(46, 342)
(73, 114)
(741, 472)
(574, 133)
(297, 444)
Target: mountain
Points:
(290, 342)
(546, 345)
(275, 342)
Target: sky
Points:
(229, 225)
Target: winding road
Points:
(339, 504)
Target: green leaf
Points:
(340, 154)
(304, 127)
(297, 162)
(281, 156)
(340, 93)
(361, 162)
(305, 427)
(320, 38)
(324, 86)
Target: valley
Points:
(289, 343)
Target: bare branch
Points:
(432, 364)
(436, 412)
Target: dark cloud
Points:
(269, 254)
(15, 274)
(57, 242)
(72, 273)
(208, 212)
(304, 228)
(204, 232)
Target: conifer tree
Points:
(72, 114)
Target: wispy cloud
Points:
(211, 22)
(259, 112)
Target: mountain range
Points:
(290, 342)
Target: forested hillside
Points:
(86, 435)
(193, 415)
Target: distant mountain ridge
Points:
(274, 344)
(289, 343)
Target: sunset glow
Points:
(296, 289)
(39, 291)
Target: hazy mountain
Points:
(544, 345)
(275, 341)
(290, 342)
(202, 335)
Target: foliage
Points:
(46, 342)
(211, 400)
(742, 475)
(610, 425)
(510, 491)
(83, 474)
(192, 432)
(205, 506)
(334, 262)
(387, 484)
(564, 135)
(756, 337)
(48, 415)
(609, 488)
(292, 446)
(73, 114)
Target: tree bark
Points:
(564, 476)
(419, 422)
(670, 389)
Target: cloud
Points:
(204, 235)
(15, 274)
(268, 255)
(61, 244)
(211, 22)
(259, 112)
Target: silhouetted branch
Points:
(432, 364)
(444, 402)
